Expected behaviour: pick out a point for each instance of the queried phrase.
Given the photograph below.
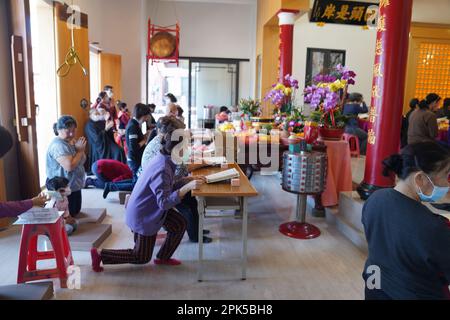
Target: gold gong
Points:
(163, 44)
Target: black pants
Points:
(134, 167)
(74, 203)
(142, 253)
(189, 210)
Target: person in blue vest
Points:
(354, 106)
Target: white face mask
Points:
(97, 117)
(110, 94)
(437, 194)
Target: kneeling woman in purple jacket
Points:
(150, 207)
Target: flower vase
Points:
(330, 133)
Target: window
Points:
(433, 70)
(322, 61)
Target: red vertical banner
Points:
(389, 73)
(286, 22)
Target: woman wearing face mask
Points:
(151, 207)
(66, 158)
(15, 208)
(99, 131)
(407, 242)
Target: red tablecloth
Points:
(339, 178)
(443, 136)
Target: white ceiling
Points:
(244, 2)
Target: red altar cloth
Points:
(339, 177)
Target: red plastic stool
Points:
(29, 255)
(353, 142)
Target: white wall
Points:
(117, 26)
(213, 30)
(207, 30)
(359, 45)
(434, 11)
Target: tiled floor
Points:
(279, 267)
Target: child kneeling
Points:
(59, 191)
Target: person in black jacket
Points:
(409, 256)
(413, 104)
(99, 131)
(136, 140)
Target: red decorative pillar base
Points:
(286, 22)
(387, 92)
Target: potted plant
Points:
(288, 117)
(327, 97)
(250, 107)
(283, 95)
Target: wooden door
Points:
(75, 86)
(111, 73)
(24, 97)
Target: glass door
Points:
(213, 84)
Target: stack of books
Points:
(222, 176)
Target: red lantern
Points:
(163, 43)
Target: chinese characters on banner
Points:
(377, 72)
(343, 12)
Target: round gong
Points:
(163, 44)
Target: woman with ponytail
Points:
(408, 244)
(66, 158)
(423, 126)
(152, 206)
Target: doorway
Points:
(44, 75)
(196, 83)
(213, 83)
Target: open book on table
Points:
(222, 176)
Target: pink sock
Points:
(168, 262)
(96, 260)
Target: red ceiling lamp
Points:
(163, 43)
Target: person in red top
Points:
(104, 101)
(123, 119)
(111, 171)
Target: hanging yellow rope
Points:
(71, 58)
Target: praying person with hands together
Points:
(99, 131)
(150, 207)
(66, 158)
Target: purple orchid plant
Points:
(283, 95)
(326, 95)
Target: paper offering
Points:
(39, 216)
(222, 176)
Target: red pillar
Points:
(286, 22)
(387, 92)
